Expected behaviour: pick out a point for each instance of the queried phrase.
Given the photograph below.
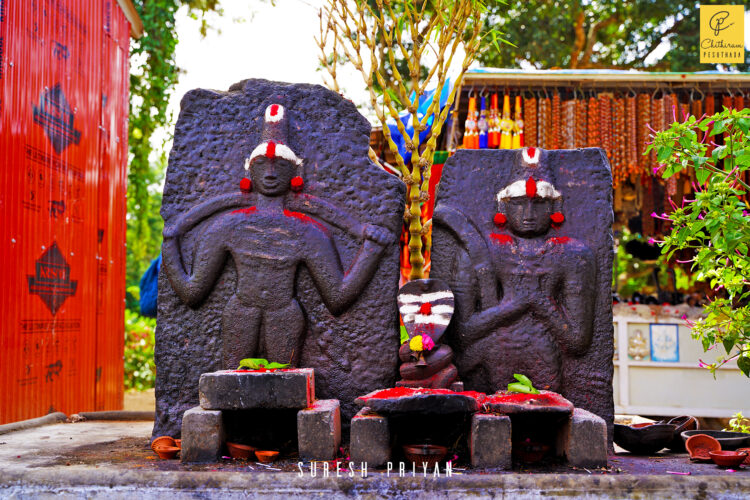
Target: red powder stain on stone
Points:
(401, 392)
(246, 211)
(304, 218)
(425, 308)
(560, 241)
(503, 239)
(544, 399)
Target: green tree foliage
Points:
(613, 34)
(715, 225)
(153, 76)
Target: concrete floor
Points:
(98, 459)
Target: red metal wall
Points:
(63, 154)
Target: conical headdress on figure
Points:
(274, 137)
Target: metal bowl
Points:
(644, 439)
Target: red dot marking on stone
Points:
(297, 184)
(531, 152)
(425, 308)
(246, 211)
(274, 109)
(246, 184)
(271, 149)
(500, 219)
(530, 187)
(503, 239)
(557, 218)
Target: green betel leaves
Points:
(523, 385)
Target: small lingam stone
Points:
(426, 308)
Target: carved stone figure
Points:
(293, 258)
(523, 237)
(269, 239)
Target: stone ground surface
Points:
(96, 459)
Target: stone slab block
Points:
(245, 390)
(319, 430)
(583, 440)
(202, 435)
(490, 441)
(421, 400)
(370, 439)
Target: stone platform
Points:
(249, 407)
(112, 460)
(499, 428)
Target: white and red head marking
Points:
(530, 188)
(530, 185)
(274, 113)
(531, 155)
(274, 131)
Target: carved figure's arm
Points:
(569, 315)
(197, 214)
(339, 289)
(476, 324)
(207, 265)
(322, 209)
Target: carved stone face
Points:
(271, 176)
(528, 217)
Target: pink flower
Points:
(427, 342)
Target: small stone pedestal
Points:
(385, 411)
(318, 421)
(489, 441)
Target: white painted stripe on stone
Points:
(426, 319)
(281, 151)
(518, 190)
(407, 298)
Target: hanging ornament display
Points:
(494, 124)
(471, 134)
(739, 102)
(631, 134)
(530, 116)
(554, 129)
(517, 126)
(543, 123)
(506, 125)
(605, 122)
(656, 123)
(592, 135)
(644, 117)
(581, 123)
(482, 125)
(568, 127)
(619, 166)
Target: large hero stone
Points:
(280, 243)
(524, 239)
